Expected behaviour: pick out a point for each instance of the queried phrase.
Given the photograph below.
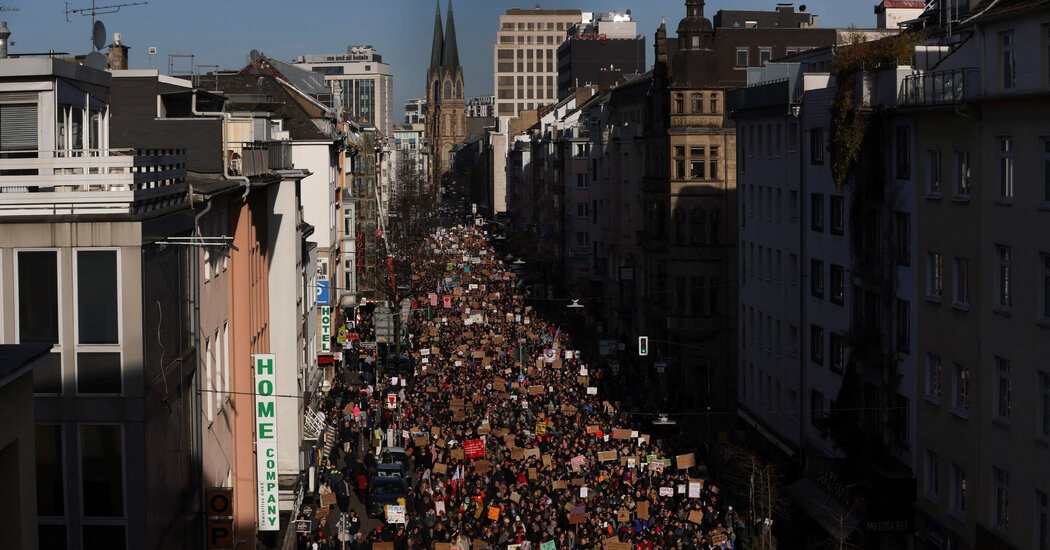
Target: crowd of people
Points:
(516, 439)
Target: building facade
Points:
(525, 70)
(596, 48)
(415, 111)
(481, 106)
(361, 84)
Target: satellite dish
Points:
(254, 55)
(802, 7)
(98, 35)
(96, 60)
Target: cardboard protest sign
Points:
(560, 484)
(613, 543)
(440, 468)
(696, 516)
(593, 429)
(478, 543)
(517, 453)
(482, 466)
(642, 511)
(577, 481)
(457, 403)
(536, 390)
(547, 461)
(484, 429)
(328, 499)
(382, 546)
(568, 409)
(532, 453)
(685, 461)
(458, 415)
(440, 443)
(515, 497)
(578, 518)
(532, 473)
(605, 456)
(621, 434)
(420, 441)
(437, 545)
(456, 454)
(623, 516)
(493, 513)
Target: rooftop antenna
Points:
(99, 10)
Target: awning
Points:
(765, 433)
(824, 509)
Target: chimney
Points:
(118, 54)
(5, 33)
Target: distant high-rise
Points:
(366, 87)
(525, 70)
(446, 116)
(415, 110)
(599, 42)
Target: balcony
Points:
(91, 181)
(940, 88)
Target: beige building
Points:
(525, 57)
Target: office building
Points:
(415, 110)
(525, 71)
(362, 84)
(601, 46)
(481, 106)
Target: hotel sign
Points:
(266, 440)
(326, 329)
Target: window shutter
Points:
(18, 127)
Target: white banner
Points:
(266, 440)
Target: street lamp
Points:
(519, 261)
(662, 420)
(575, 305)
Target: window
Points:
(741, 57)
(698, 103)
(957, 491)
(838, 284)
(934, 275)
(99, 372)
(696, 169)
(816, 407)
(1046, 169)
(837, 345)
(960, 389)
(1042, 529)
(679, 103)
(960, 276)
(1043, 406)
(1006, 169)
(903, 155)
(962, 174)
(931, 480)
(582, 239)
(817, 212)
(933, 173)
(581, 210)
(97, 297)
(1002, 499)
(679, 169)
(816, 278)
(1006, 266)
(581, 181)
(714, 103)
(712, 162)
(816, 146)
(933, 377)
(764, 55)
(903, 326)
(1007, 67)
(902, 234)
(102, 470)
(816, 344)
(1004, 388)
(50, 468)
(838, 214)
(38, 297)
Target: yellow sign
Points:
(541, 428)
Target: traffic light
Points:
(643, 345)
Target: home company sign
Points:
(266, 440)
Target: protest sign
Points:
(685, 461)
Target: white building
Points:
(363, 84)
(416, 110)
(481, 106)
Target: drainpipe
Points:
(227, 117)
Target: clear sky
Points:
(222, 32)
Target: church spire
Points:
(450, 58)
(437, 49)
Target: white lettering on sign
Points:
(326, 329)
(266, 440)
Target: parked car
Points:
(386, 491)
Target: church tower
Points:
(446, 123)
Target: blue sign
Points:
(322, 292)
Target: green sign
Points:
(266, 440)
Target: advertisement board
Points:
(265, 366)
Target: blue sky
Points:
(222, 32)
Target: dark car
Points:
(386, 491)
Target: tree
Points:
(759, 480)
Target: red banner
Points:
(474, 448)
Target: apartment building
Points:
(415, 110)
(600, 47)
(525, 71)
